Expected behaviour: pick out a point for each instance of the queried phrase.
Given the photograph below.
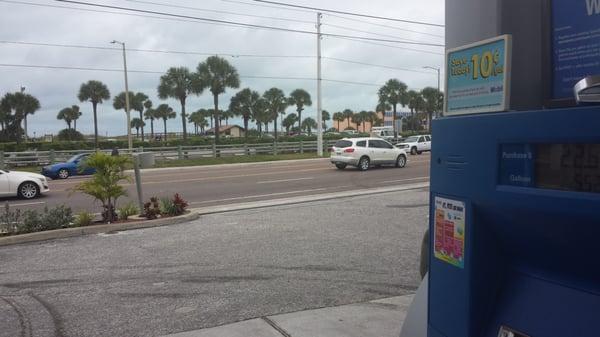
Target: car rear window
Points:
(343, 143)
(362, 143)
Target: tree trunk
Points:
(75, 125)
(142, 119)
(94, 105)
(216, 117)
(69, 125)
(394, 122)
(246, 127)
(165, 123)
(299, 119)
(182, 100)
(137, 132)
(338, 125)
(25, 128)
(275, 127)
(152, 128)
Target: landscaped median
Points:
(96, 229)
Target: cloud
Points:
(57, 88)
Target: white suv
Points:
(366, 152)
(416, 144)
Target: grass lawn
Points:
(206, 161)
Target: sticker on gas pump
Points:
(508, 332)
(449, 226)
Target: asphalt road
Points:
(219, 269)
(205, 186)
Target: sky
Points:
(54, 22)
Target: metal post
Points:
(179, 152)
(127, 109)
(301, 147)
(319, 97)
(214, 150)
(138, 182)
(274, 147)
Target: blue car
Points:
(71, 167)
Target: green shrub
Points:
(9, 220)
(84, 219)
(167, 207)
(30, 223)
(127, 210)
(70, 135)
(57, 217)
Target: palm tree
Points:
(276, 104)
(198, 119)
(150, 114)
(138, 124)
(65, 115)
(164, 112)
(339, 117)
(217, 74)
(364, 116)
(348, 115)
(393, 93)
(357, 119)
(288, 122)
(139, 106)
(261, 114)
(325, 116)
(75, 114)
(16, 107)
(178, 83)
(372, 118)
(95, 92)
(433, 102)
(416, 103)
(243, 104)
(226, 115)
(300, 98)
(309, 124)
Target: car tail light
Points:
(349, 150)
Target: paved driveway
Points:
(219, 269)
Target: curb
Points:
(79, 231)
(303, 199)
(258, 163)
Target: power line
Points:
(267, 6)
(375, 65)
(151, 50)
(204, 54)
(245, 24)
(384, 26)
(366, 31)
(395, 47)
(11, 65)
(349, 13)
(217, 11)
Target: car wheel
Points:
(413, 151)
(340, 166)
(63, 174)
(419, 152)
(363, 163)
(28, 190)
(401, 161)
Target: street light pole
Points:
(319, 97)
(127, 111)
(438, 87)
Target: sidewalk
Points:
(380, 318)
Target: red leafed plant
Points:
(180, 204)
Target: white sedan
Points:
(22, 184)
(366, 152)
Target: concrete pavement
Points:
(220, 269)
(379, 318)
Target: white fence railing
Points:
(40, 158)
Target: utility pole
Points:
(319, 98)
(127, 111)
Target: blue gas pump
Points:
(515, 225)
(514, 219)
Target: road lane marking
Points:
(283, 180)
(258, 196)
(401, 180)
(27, 204)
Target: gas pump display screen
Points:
(570, 167)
